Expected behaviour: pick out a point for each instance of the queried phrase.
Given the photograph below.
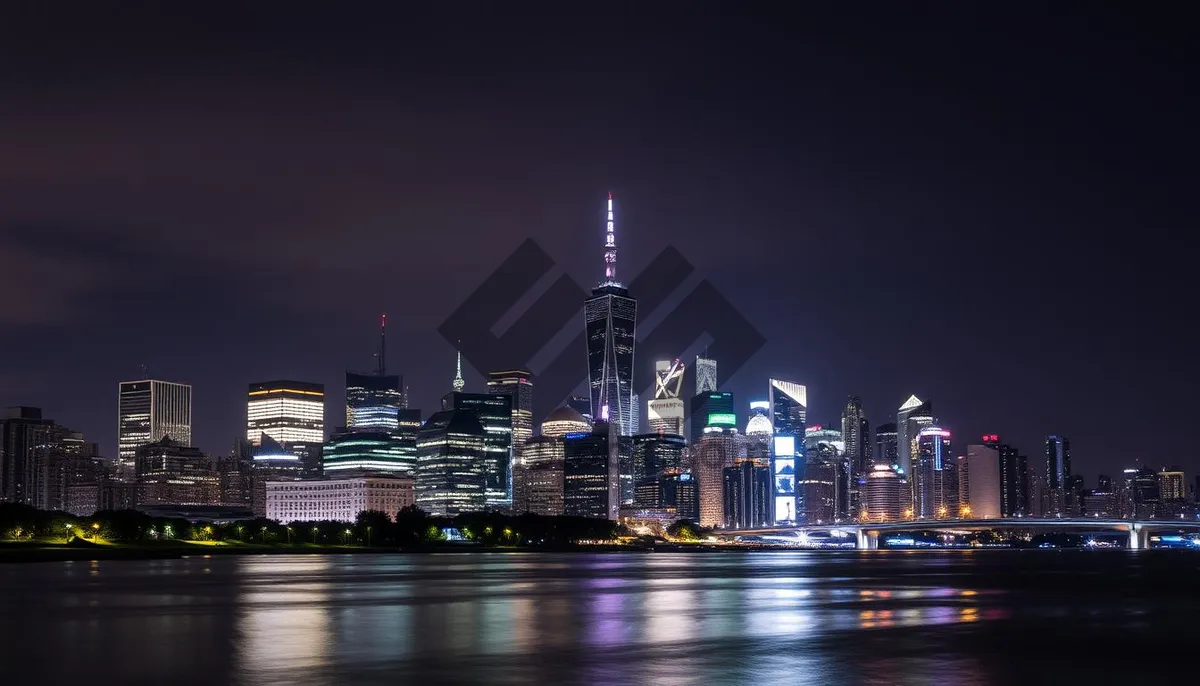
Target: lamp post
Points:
(314, 533)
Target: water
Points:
(880, 617)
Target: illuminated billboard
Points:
(722, 419)
(785, 446)
(783, 475)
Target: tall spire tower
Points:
(382, 368)
(610, 320)
(610, 247)
(458, 382)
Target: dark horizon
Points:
(978, 205)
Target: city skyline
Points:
(809, 195)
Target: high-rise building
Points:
(565, 420)
(758, 433)
(711, 409)
(819, 486)
(518, 385)
(856, 433)
(706, 375)
(935, 483)
(719, 448)
(884, 495)
(538, 477)
(905, 433)
(610, 322)
(23, 432)
(983, 485)
(451, 475)
(1015, 480)
(368, 452)
(788, 413)
(172, 474)
(591, 472)
(656, 456)
(1171, 485)
(665, 412)
(1145, 492)
(292, 413)
(373, 401)
(148, 411)
(494, 413)
(887, 445)
(747, 495)
(1058, 477)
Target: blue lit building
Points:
(788, 412)
(451, 477)
(610, 323)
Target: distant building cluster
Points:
(483, 451)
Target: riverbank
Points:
(40, 551)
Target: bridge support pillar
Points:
(867, 540)
(1139, 538)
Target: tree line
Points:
(412, 528)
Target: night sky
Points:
(986, 206)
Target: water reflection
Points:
(798, 617)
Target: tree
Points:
(686, 530)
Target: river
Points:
(819, 617)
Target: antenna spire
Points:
(458, 382)
(610, 245)
(382, 369)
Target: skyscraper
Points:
(788, 413)
(373, 401)
(711, 455)
(148, 411)
(518, 385)
(884, 495)
(23, 432)
(591, 476)
(887, 445)
(290, 412)
(711, 408)
(935, 483)
(747, 493)
(856, 433)
(983, 484)
(494, 413)
(1058, 477)
(610, 321)
(665, 411)
(538, 477)
(758, 433)
(706, 375)
(656, 458)
(913, 407)
(1014, 479)
(450, 464)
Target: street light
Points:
(69, 532)
(346, 537)
(289, 535)
(314, 533)
(95, 530)
(368, 537)
(264, 535)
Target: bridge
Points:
(867, 534)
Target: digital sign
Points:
(785, 446)
(722, 419)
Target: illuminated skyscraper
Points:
(538, 477)
(887, 448)
(565, 420)
(719, 448)
(591, 472)
(657, 458)
(1058, 477)
(935, 482)
(494, 413)
(706, 375)
(665, 411)
(905, 432)
(373, 401)
(758, 433)
(856, 433)
(518, 385)
(983, 489)
(788, 413)
(290, 412)
(610, 320)
(884, 495)
(148, 411)
(451, 475)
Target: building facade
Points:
(1058, 477)
(788, 414)
(982, 489)
(451, 471)
(170, 474)
(591, 472)
(538, 477)
(494, 412)
(718, 450)
(147, 411)
(747, 494)
(338, 500)
(906, 432)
